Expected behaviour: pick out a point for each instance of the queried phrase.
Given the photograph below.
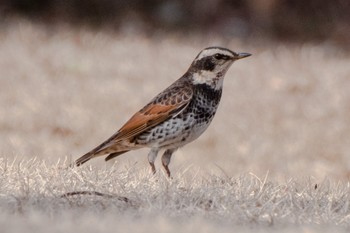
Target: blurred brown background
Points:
(290, 20)
(72, 72)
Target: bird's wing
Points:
(167, 104)
(153, 115)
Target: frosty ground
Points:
(275, 158)
(33, 195)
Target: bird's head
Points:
(211, 64)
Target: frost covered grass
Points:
(32, 190)
(284, 112)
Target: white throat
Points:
(215, 80)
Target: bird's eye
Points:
(221, 56)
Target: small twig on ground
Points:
(69, 194)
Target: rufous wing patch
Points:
(149, 117)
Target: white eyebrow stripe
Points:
(211, 52)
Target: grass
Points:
(283, 127)
(33, 189)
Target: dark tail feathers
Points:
(84, 159)
(90, 155)
(113, 155)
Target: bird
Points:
(176, 116)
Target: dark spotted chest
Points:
(204, 103)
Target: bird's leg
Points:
(151, 158)
(166, 160)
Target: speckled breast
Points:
(187, 126)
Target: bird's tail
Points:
(113, 155)
(92, 154)
(84, 158)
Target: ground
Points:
(275, 158)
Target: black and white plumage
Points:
(176, 116)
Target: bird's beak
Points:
(241, 55)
